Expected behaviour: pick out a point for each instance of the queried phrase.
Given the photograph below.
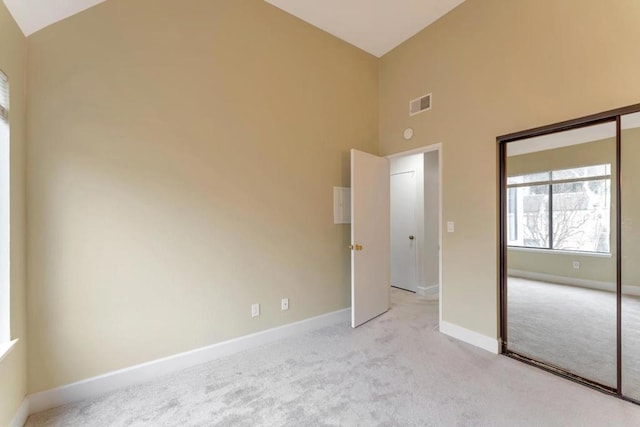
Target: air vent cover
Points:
(419, 105)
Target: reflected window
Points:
(567, 209)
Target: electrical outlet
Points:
(576, 265)
(284, 304)
(451, 226)
(255, 310)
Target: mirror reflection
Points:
(561, 262)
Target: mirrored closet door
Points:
(560, 270)
(570, 249)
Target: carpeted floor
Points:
(396, 370)
(575, 328)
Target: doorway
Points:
(415, 220)
(406, 194)
(371, 237)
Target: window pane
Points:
(525, 179)
(581, 215)
(515, 180)
(512, 215)
(528, 216)
(585, 172)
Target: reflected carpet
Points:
(575, 329)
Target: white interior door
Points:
(370, 237)
(404, 234)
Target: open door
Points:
(370, 237)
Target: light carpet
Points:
(396, 370)
(575, 328)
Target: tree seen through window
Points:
(571, 210)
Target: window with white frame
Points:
(568, 209)
(5, 333)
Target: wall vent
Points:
(419, 105)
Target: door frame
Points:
(422, 150)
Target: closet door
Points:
(559, 217)
(630, 262)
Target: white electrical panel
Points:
(341, 205)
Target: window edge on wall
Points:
(4, 96)
(6, 347)
(5, 230)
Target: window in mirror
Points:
(529, 217)
(568, 209)
(532, 177)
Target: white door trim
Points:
(427, 149)
(419, 150)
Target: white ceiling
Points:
(34, 15)
(376, 26)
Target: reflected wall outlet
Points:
(284, 304)
(576, 265)
(255, 310)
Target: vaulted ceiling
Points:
(376, 26)
(34, 15)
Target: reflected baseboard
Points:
(428, 290)
(572, 281)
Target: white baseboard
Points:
(470, 337)
(111, 381)
(428, 290)
(572, 281)
(21, 416)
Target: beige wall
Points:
(13, 371)
(496, 67)
(181, 160)
(181, 164)
(599, 268)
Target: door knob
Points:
(355, 247)
(411, 237)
